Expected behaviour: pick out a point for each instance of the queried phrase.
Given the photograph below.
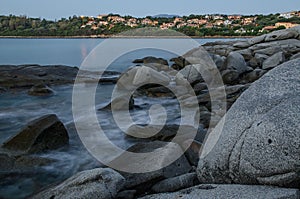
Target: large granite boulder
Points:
(101, 183)
(259, 142)
(44, 133)
(213, 191)
(236, 62)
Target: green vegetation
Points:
(213, 25)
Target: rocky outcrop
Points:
(26, 76)
(259, 143)
(40, 90)
(44, 133)
(102, 183)
(151, 60)
(212, 191)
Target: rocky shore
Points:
(257, 152)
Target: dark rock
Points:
(230, 76)
(119, 103)
(192, 153)
(259, 142)
(273, 61)
(45, 133)
(199, 87)
(296, 56)
(246, 53)
(180, 63)
(176, 183)
(150, 59)
(260, 58)
(219, 61)
(127, 194)
(40, 90)
(102, 183)
(252, 76)
(232, 191)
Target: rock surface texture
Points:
(99, 183)
(259, 143)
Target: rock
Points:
(146, 75)
(236, 62)
(150, 59)
(143, 181)
(219, 61)
(190, 73)
(159, 91)
(296, 56)
(281, 35)
(259, 142)
(40, 90)
(256, 40)
(246, 53)
(260, 58)
(200, 87)
(176, 183)
(230, 76)
(252, 76)
(161, 132)
(242, 44)
(2, 90)
(157, 66)
(212, 191)
(102, 183)
(273, 61)
(120, 103)
(180, 63)
(127, 194)
(192, 153)
(44, 133)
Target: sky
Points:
(56, 9)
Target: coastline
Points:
(122, 37)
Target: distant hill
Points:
(165, 16)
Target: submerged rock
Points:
(44, 133)
(40, 90)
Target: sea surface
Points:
(18, 108)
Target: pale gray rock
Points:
(281, 35)
(259, 142)
(242, 44)
(144, 180)
(102, 183)
(236, 62)
(273, 61)
(213, 191)
(260, 58)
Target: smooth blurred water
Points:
(18, 108)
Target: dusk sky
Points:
(55, 9)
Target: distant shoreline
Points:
(120, 37)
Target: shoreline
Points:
(122, 37)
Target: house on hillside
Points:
(286, 24)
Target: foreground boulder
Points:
(102, 183)
(212, 191)
(144, 181)
(259, 143)
(44, 133)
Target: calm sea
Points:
(69, 52)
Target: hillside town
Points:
(200, 21)
(104, 25)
